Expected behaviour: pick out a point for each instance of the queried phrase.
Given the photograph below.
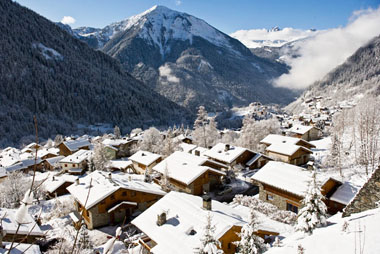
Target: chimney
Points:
(77, 181)
(161, 218)
(206, 202)
(227, 147)
(53, 178)
(197, 153)
(110, 175)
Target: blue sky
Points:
(226, 15)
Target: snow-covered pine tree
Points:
(99, 159)
(249, 242)
(313, 211)
(165, 183)
(209, 245)
(116, 132)
(200, 123)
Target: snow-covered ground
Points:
(361, 236)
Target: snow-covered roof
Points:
(77, 157)
(187, 148)
(74, 145)
(144, 157)
(54, 160)
(19, 248)
(300, 129)
(44, 151)
(185, 213)
(280, 139)
(3, 172)
(219, 153)
(286, 149)
(23, 164)
(116, 142)
(103, 186)
(284, 176)
(10, 225)
(345, 193)
(119, 164)
(200, 149)
(54, 182)
(184, 167)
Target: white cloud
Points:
(178, 2)
(68, 20)
(325, 51)
(262, 37)
(165, 71)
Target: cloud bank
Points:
(323, 52)
(274, 38)
(68, 20)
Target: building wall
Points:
(280, 198)
(228, 239)
(98, 215)
(63, 150)
(299, 158)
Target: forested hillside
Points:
(48, 73)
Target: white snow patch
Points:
(48, 53)
(165, 71)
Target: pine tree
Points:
(313, 212)
(116, 132)
(209, 245)
(99, 159)
(249, 242)
(200, 123)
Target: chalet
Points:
(292, 154)
(234, 155)
(143, 160)
(307, 133)
(56, 185)
(47, 153)
(107, 198)
(69, 147)
(30, 148)
(280, 139)
(76, 163)
(282, 184)
(27, 232)
(110, 152)
(53, 163)
(189, 173)
(121, 165)
(184, 139)
(122, 146)
(25, 166)
(187, 148)
(337, 194)
(183, 217)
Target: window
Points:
(124, 193)
(112, 197)
(65, 165)
(270, 197)
(292, 208)
(103, 202)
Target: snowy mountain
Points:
(62, 81)
(357, 77)
(188, 61)
(275, 37)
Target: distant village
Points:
(163, 187)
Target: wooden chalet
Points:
(190, 173)
(234, 155)
(144, 160)
(112, 197)
(76, 163)
(337, 194)
(281, 139)
(53, 163)
(27, 233)
(69, 147)
(184, 216)
(289, 153)
(56, 185)
(121, 147)
(307, 133)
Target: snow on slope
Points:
(275, 37)
(363, 229)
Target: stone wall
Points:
(367, 197)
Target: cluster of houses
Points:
(169, 197)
